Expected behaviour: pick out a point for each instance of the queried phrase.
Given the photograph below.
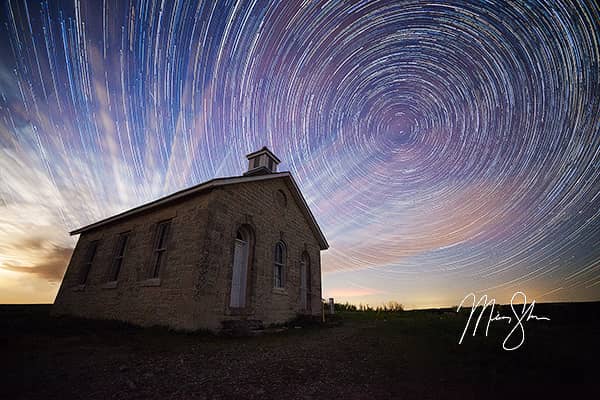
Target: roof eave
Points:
(266, 150)
(319, 234)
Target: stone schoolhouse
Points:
(243, 248)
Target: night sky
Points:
(444, 147)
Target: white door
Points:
(238, 277)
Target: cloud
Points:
(52, 268)
(465, 214)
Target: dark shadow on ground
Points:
(411, 354)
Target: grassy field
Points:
(411, 354)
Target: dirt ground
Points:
(406, 355)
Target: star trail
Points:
(445, 147)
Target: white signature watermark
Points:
(517, 331)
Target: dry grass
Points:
(368, 355)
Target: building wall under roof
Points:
(193, 288)
(256, 205)
(136, 299)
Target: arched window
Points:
(242, 253)
(305, 282)
(279, 265)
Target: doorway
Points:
(239, 276)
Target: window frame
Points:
(119, 255)
(306, 285)
(162, 231)
(89, 261)
(279, 265)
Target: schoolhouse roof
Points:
(212, 184)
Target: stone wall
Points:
(193, 289)
(134, 298)
(254, 204)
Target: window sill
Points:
(149, 282)
(110, 285)
(280, 291)
(78, 288)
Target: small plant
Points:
(389, 307)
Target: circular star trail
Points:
(446, 146)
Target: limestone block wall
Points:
(194, 285)
(255, 204)
(134, 298)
